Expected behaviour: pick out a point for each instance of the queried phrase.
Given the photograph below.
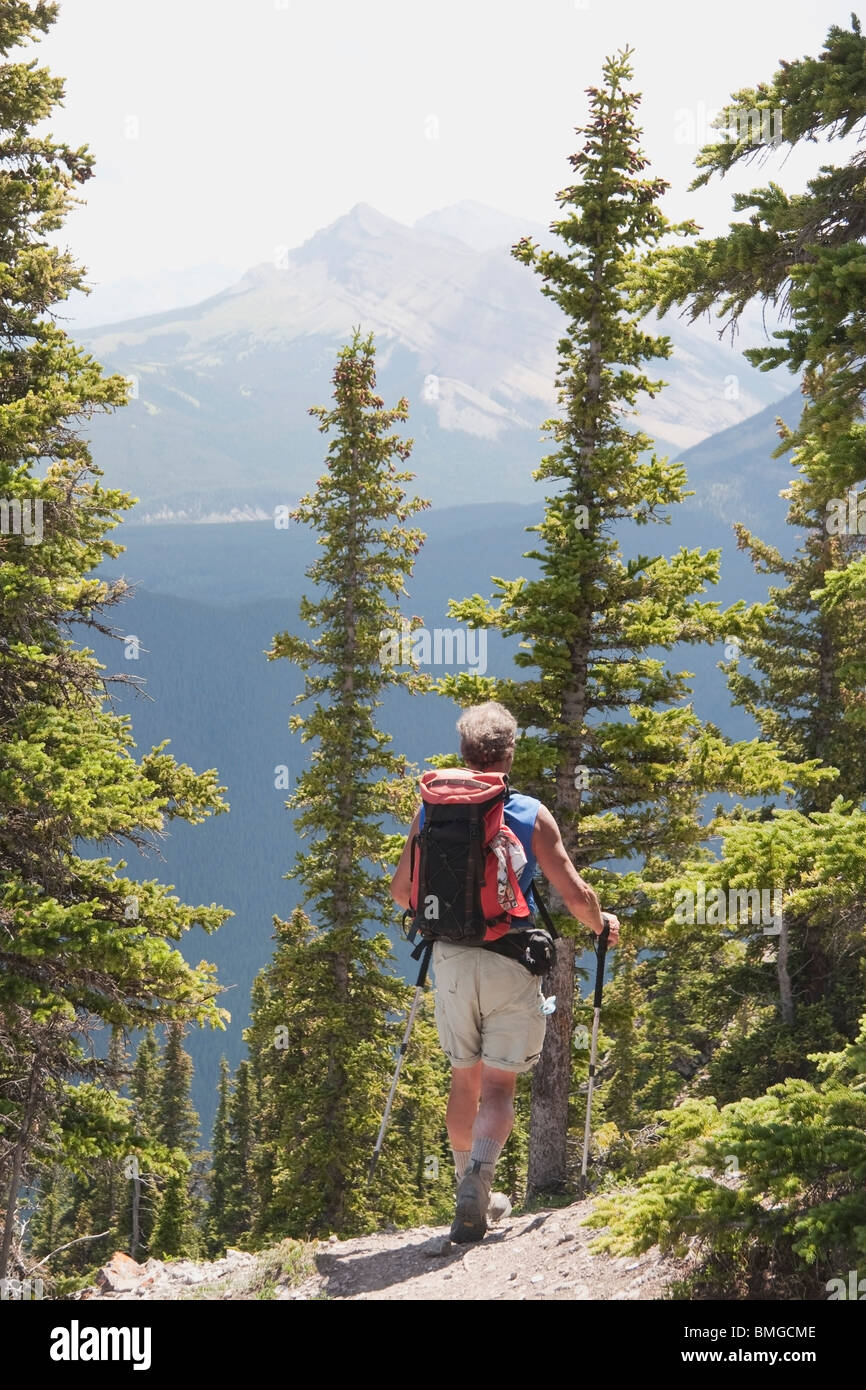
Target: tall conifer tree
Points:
(325, 1010)
(241, 1138)
(177, 1127)
(79, 941)
(801, 672)
(219, 1172)
(608, 742)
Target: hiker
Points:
(488, 1006)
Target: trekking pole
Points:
(600, 951)
(419, 987)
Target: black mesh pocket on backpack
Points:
(451, 874)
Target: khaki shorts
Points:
(488, 1008)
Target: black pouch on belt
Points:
(533, 949)
(540, 952)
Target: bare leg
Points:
(463, 1104)
(495, 1118)
(481, 1129)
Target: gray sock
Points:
(484, 1154)
(461, 1161)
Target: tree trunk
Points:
(17, 1166)
(818, 972)
(551, 1081)
(136, 1222)
(333, 1214)
(786, 998)
(551, 1078)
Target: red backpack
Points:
(465, 860)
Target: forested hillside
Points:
(205, 603)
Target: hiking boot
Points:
(499, 1207)
(470, 1217)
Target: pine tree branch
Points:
(76, 1241)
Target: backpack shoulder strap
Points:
(545, 915)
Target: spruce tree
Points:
(800, 672)
(174, 1233)
(144, 1082)
(219, 1172)
(803, 252)
(177, 1127)
(786, 1218)
(325, 1011)
(81, 942)
(177, 1121)
(608, 742)
(805, 689)
(240, 1183)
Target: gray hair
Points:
(487, 734)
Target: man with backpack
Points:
(466, 874)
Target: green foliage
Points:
(81, 942)
(176, 1228)
(301, 1030)
(115, 1154)
(144, 1085)
(241, 1139)
(781, 1173)
(730, 1006)
(218, 1178)
(176, 1119)
(799, 670)
(801, 250)
(81, 1194)
(325, 1012)
(174, 1234)
(706, 1010)
(769, 1050)
(758, 1171)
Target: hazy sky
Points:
(225, 128)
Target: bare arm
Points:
(579, 898)
(401, 882)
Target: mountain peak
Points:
(367, 219)
(348, 236)
(479, 225)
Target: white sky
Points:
(225, 128)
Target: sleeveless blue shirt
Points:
(520, 814)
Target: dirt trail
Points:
(542, 1256)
